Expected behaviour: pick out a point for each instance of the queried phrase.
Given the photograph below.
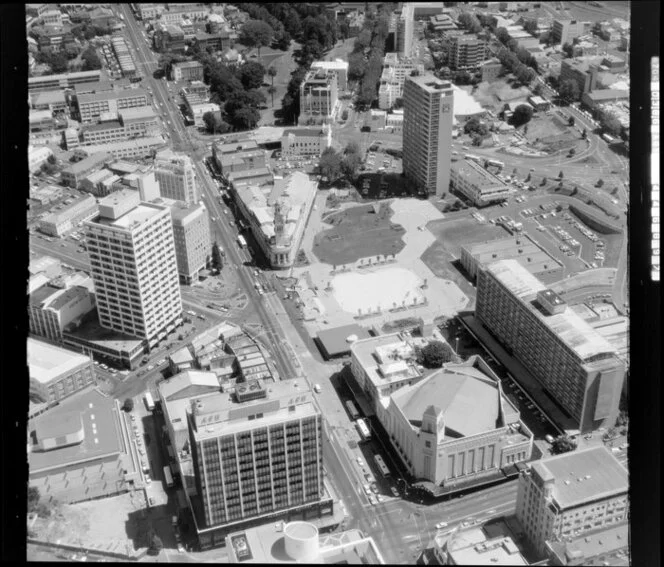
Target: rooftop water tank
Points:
(301, 541)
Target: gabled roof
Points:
(187, 384)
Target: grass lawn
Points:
(358, 232)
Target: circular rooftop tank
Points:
(351, 338)
(301, 541)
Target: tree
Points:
(128, 405)
(584, 134)
(537, 89)
(33, 498)
(571, 121)
(560, 175)
(344, 114)
(256, 33)
(351, 160)
(217, 263)
(246, 118)
(568, 50)
(562, 444)
(530, 26)
(569, 91)
(503, 35)
(522, 114)
(251, 74)
(435, 354)
(544, 180)
(271, 90)
(609, 123)
(272, 72)
(600, 183)
(330, 164)
(463, 78)
(572, 152)
(58, 62)
(214, 124)
(475, 126)
(156, 545)
(357, 65)
(51, 159)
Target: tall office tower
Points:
(404, 30)
(569, 495)
(132, 259)
(576, 365)
(176, 176)
(191, 231)
(256, 453)
(427, 132)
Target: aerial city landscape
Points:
(329, 282)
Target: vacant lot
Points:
(497, 93)
(359, 232)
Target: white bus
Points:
(168, 477)
(474, 158)
(352, 410)
(149, 402)
(363, 427)
(241, 242)
(494, 163)
(382, 467)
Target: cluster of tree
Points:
(522, 115)
(58, 62)
(562, 444)
(434, 354)
(470, 22)
(514, 61)
(568, 91)
(91, 61)
(88, 31)
(568, 50)
(128, 405)
(256, 33)
(488, 21)
(365, 63)
(156, 545)
(217, 261)
(277, 31)
(475, 126)
(335, 165)
(35, 504)
(609, 123)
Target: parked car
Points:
(441, 525)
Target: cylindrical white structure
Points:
(351, 339)
(301, 541)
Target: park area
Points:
(359, 232)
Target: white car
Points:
(372, 499)
(360, 461)
(441, 525)
(367, 489)
(317, 389)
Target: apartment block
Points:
(404, 30)
(466, 53)
(176, 176)
(318, 97)
(577, 366)
(565, 31)
(569, 495)
(427, 133)
(395, 70)
(257, 457)
(134, 267)
(92, 106)
(187, 70)
(339, 66)
(477, 184)
(56, 373)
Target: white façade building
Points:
(278, 215)
(305, 141)
(455, 425)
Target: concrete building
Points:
(92, 106)
(125, 60)
(564, 31)
(38, 156)
(521, 248)
(141, 180)
(455, 426)
(388, 93)
(56, 373)
(582, 71)
(187, 71)
(442, 22)
(394, 120)
(176, 176)
(52, 308)
(62, 81)
(395, 71)
(603, 546)
(305, 141)
(596, 99)
(75, 451)
(491, 69)
(339, 66)
(576, 365)
(39, 120)
(319, 97)
(404, 30)
(277, 217)
(53, 101)
(61, 222)
(427, 133)
(134, 148)
(168, 37)
(132, 123)
(466, 52)
(219, 41)
(472, 546)
(133, 264)
(478, 185)
(191, 232)
(238, 156)
(264, 451)
(297, 542)
(571, 494)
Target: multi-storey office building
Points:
(75, 173)
(191, 231)
(92, 106)
(583, 72)
(134, 122)
(134, 268)
(51, 309)
(318, 96)
(58, 223)
(339, 66)
(395, 71)
(176, 176)
(134, 148)
(564, 31)
(257, 456)
(187, 70)
(571, 494)
(466, 52)
(577, 367)
(56, 373)
(62, 81)
(480, 186)
(427, 132)
(404, 30)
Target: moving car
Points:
(441, 525)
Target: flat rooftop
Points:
(110, 95)
(431, 84)
(138, 215)
(47, 361)
(474, 173)
(521, 248)
(92, 332)
(576, 333)
(584, 475)
(103, 440)
(334, 340)
(498, 551)
(594, 543)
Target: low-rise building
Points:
(92, 106)
(57, 373)
(136, 148)
(603, 546)
(565, 31)
(62, 81)
(472, 546)
(234, 156)
(477, 184)
(539, 103)
(394, 120)
(39, 120)
(61, 222)
(572, 494)
(168, 37)
(187, 71)
(51, 309)
(305, 141)
(53, 101)
(219, 41)
(38, 156)
(277, 217)
(377, 119)
(132, 123)
(521, 248)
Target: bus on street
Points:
(241, 242)
(363, 428)
(168, 477)
(149, 402)
(382, 467)
(352, 410)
